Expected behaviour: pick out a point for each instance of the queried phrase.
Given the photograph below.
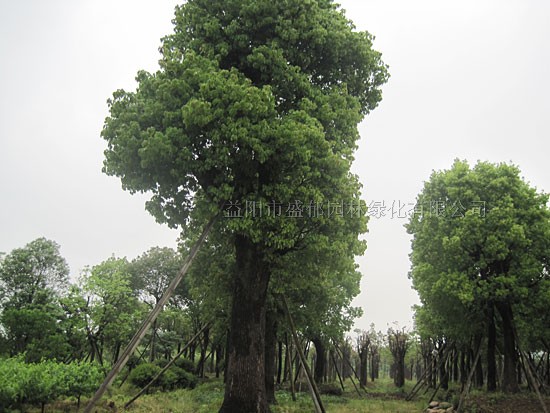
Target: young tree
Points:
(481, 249)
(32, 274)
(398, 343)
(254, 102)
(363, 344)
(111, 311)
(32, 279)
(151, 273)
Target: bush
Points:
(11, 376)
(160, 362)
(41, 383)
(169, 379)
(141, 375)
(82, 379)
(184, 378)
(186, 365)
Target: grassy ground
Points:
(207, 398)
(379, 397)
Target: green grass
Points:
(207, 398)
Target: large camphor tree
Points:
(480, 249)
(255, 101)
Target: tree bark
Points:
(204, 347)
(373, 362)
(270, 351)
(456, 371)
(491, 349)
(463, 368)
(245, 390)
(478, 366)
(320, 359)
(364, 361)
(509, 378)
(280, 362)
(443, 374)
(219, 357)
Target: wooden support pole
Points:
(434, 368)
(466, 389)
(288, 360)
(319, 408)
(532, 380)
(337, 372)
(134, 342)
(352, 369)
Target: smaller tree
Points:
(30, 275)
(398, 343)
(31, 282)
(112, 312)
(151, 274)
(363, 344)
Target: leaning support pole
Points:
(337, 372)
(352, 370)
(319, 408)
(530, 376)
(288, 360)
(444, 351)
(532, 380)
(134, 342)
(170, 363)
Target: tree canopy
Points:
(481, 243)
(255, 102)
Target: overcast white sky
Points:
(469, 80)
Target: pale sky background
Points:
(469, 79)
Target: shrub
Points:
(143, 374)
(186, 365)
(41, 383)
(184, 378)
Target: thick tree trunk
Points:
(456, 371)
(509, 377)
(399, 378)
(226, 355)
(364, 360)
(491, 348)
(479, 374)
(320, 360)
(245, 382)
(463, 368)
(204, 347)
(444, 375)
(219, 357)
(478, 366)
(270, 351)
(280, 362)
(116, 351)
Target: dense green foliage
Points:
(44, 382)
(31, 283)
(255, 103)
(480, 256)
